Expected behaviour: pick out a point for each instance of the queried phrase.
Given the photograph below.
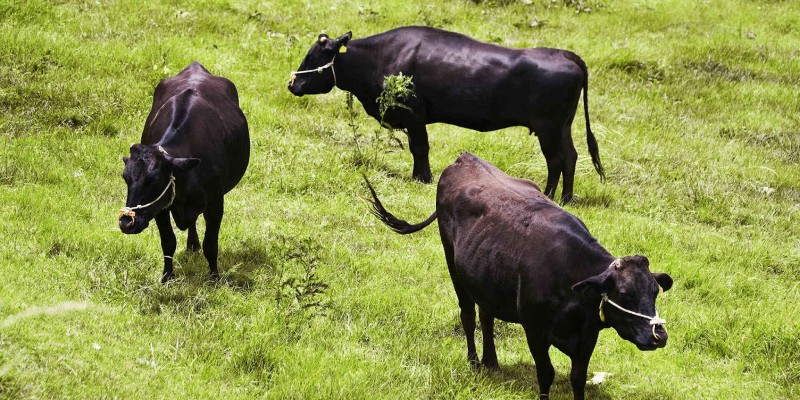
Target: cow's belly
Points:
(489, 278)
(499, 300)
(476, 124)
(478, 116)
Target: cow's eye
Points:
(627, 297)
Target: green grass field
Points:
(694, 103)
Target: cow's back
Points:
(508, 238)
(497, 87)
(197, 115)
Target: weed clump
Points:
(397, 89)
(300, 289)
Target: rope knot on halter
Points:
(131, 211)
(654, 321)
(317, 70)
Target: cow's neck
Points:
(354, 72)
(601, 261)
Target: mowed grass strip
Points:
(694, 106)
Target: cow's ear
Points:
(136, 148)
(344, 39)
(181, 165)
(664, 280)
(594, 286)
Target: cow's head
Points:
(316, 73)
(149, 173)
(627, 288)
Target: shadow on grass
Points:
(601, 200)
(369, 163)
(521, 377)
(397, 174)
(241, 268)
(283, 268)
(9, 388)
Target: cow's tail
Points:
(590, 140)
(396, 224)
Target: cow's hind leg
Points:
(570, 157)
(468, 323)
(539, 347)
(418, 144)
(554, 155)
(192, 241)
(487, 329)
(213, 217)
(465, 303)
(168, 244)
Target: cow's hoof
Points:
(167, 277)
(473, 361)
(491, 365)
(214, 277)
(424, 178)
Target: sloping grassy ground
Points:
(695, 106)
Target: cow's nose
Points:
(295, 88)
(660, 337)
(125, 224)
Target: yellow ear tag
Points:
(602, 314)
(343, 49)
(660, 289)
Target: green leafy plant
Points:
(396, 90)
(300, 288)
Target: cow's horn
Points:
(322, 39)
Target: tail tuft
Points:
(388, 219)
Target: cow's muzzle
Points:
(296, 89)
(127, 224)
(654, 343)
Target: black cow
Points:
(521, 258)
(460, 81)
(195, 148)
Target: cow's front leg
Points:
(192, 241)
(580, 364)
(418, 144)
(487, 329)
(168, 243)
(213, 217)
(539, 347)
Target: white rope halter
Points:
(131, 211)
(654, 321)
(317, 70)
